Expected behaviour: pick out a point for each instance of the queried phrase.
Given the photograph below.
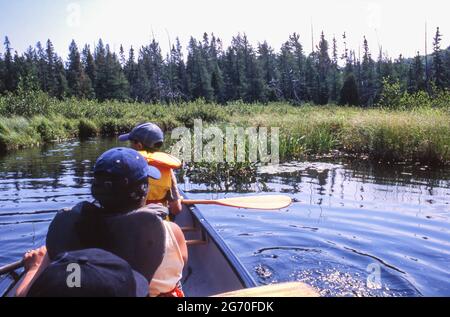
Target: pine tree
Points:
(10, 75)
(122, 58)
(230, 75)
(367, 77)
(312, 78)
(299, 67)
(182, 82)
(75, 72)
(256, 89)
(117, 87)
(349, 92)
(152, 61)
(286, 67)
(384, 71)
(131, 73)
(253, 88)
(438, 71)
(239, 60)
(197, 71)
(347, 58)
(447, 66)
(101, 74)
(89, 68)
(55, 83)
(26, 67)
(31, 61)
(401, 72)
(323, 67)
(358, 71)
(334, 73)
(19, 68)
(2, 75)
(42, 70)
(60, 78)
(416, 77)
(292, 64)
(217, 82)
(267, 60)
(141, 87)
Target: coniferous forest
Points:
(330, 74)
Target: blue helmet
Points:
(127, 164)
(121, 179)
(148, 134)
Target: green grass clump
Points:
(15, 133)
(396, 136)
(87, 129)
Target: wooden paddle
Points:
(11, 267)
(291, 289)
(267, 202)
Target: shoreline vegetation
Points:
(417, 129)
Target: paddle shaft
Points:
(11, 267)
(265, 202)
(200, 202)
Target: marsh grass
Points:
(221, 177)
(418, 132)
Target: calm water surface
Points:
(354, 230)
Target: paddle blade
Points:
(267, 202)
(292, 289)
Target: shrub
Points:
(391, 95)
(26, 104)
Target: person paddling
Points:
(120, 221)
(148, 139)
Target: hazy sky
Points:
(398, 25)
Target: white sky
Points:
(396, 24)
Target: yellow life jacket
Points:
(158, 187)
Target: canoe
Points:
(212, 267)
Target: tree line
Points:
(218, 74)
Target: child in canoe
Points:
(120, 222)
(148, 139)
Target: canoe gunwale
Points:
(236, 265)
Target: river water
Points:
(353, 230)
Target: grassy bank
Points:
(416, 134)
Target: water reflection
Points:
(356, 215)
(345, 216)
